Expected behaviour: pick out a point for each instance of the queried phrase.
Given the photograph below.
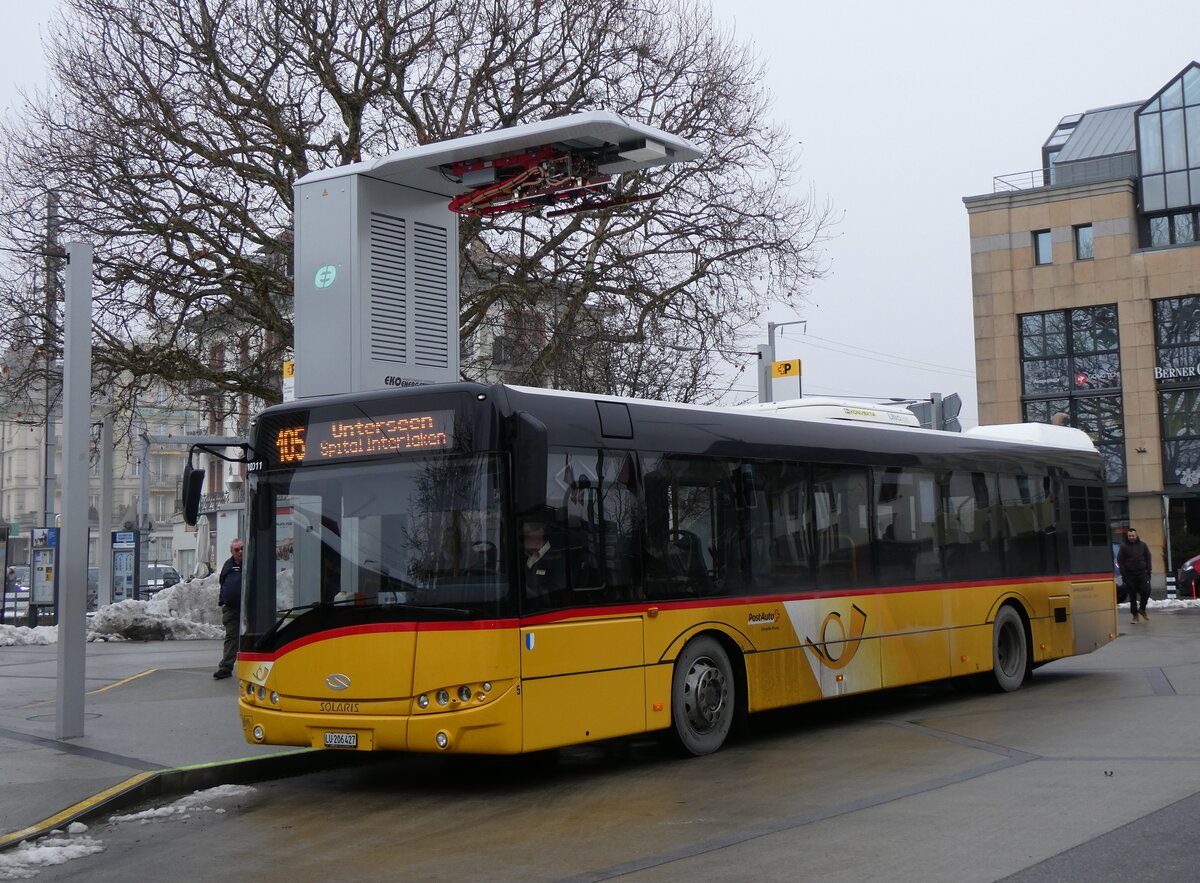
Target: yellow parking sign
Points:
(289, 380)
(789, 368)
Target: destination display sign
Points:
(331, 441)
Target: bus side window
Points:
(841, 500)
(693, 532)
(597, 491)
(1030, 538)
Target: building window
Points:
(1043, 248)
(1083, 242)
(1177, 228)
(1070, 363)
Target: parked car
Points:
(16, 598)
(1186, 585)
(156, 577)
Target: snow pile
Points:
(19, 635)
(56, 848)
(185, 610)
(198, 801)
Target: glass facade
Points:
(1071, 363)
(1177, 376)
(1168, 134)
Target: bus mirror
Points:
(193, 488)
(529, 463)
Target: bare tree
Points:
(173, 133)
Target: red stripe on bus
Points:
(744, 600)
(642, 607)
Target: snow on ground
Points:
(59, 847)
(56, 848)
(185, 610)
(197, 801)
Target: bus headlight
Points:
(443, 697)
(422, 701)
(274, 698)
(259, 733)
(441, 739)
(464, 694)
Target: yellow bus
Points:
(494, 569)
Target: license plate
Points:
(341, 740)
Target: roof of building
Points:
(1104, 131)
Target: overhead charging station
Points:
(376, 242)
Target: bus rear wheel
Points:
(1010, 650)
(702, 697)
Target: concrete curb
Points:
(182, 780)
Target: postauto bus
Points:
(494, 569)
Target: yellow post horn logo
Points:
(845, 646)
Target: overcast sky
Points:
(902, 109)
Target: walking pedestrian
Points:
(1134, 562)
(230, 600)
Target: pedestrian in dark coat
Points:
(230, 600)
(1135, 564)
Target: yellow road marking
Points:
(129, 784)
(98, 689)
(148, 671)
(71, 811)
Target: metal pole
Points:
(73, 538)
(104, 587)
(143, 514)
(766, 356)
(49, 341)
(1166, 500)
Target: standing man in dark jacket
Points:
(230, 600)
(1133, 560)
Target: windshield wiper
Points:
(428, 608)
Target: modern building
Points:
(1086, 289)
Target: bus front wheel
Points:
(702, 697)
(1010, 650)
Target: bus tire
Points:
(1010, 650)
(703, 694)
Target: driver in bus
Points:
(545, 569)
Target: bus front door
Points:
(582, 681)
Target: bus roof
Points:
(1042, 434)
(754, 431)
(833, 409)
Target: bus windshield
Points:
(402, 539)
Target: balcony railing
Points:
(1117, 167)
(1020, 181)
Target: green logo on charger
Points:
(325, 276)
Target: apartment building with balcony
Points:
(23, 458)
